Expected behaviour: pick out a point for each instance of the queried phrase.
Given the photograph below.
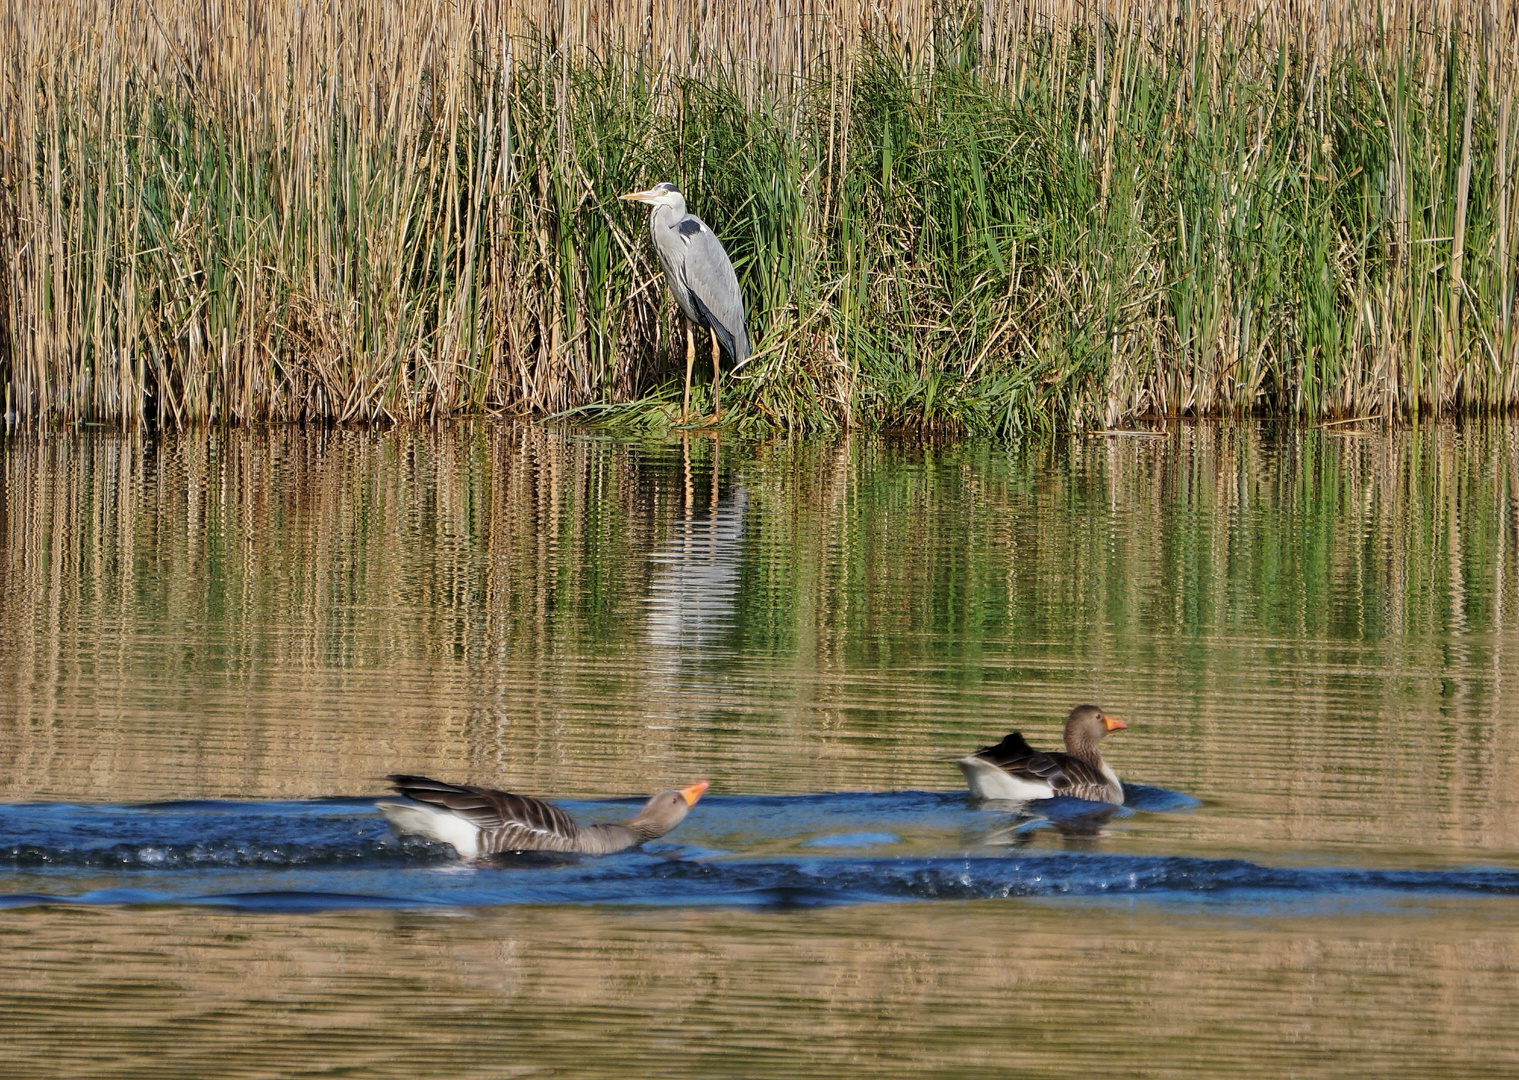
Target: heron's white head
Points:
(665, 194)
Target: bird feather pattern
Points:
(508, 822)
(1066, 775)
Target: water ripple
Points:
(744, 852)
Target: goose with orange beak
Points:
(480, 821)
(1013, 769)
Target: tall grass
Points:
(1012, 215)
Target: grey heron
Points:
(701, 277)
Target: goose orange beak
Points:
(694, 792)
(1114, 723)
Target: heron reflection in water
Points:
(694, 587)
(702, 279)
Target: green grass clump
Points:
(1000, 225)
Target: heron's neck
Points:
(664, 217)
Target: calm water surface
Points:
(213, 645)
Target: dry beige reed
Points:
(998, 216)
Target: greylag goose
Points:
(481, 821)
(1015, 770)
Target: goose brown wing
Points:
(508, 822)
(1016, 756)
(1079, 779)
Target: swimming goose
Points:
(481, 821)
(1015, 770)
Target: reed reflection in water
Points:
(1311, 631)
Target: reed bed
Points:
(1002, 216)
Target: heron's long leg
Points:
(685, 401)
(717, 377)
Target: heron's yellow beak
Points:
(638, 196)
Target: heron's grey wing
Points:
(708, 276)
(670, 244)
(509, 822)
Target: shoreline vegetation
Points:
(998, 217)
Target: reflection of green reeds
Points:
(1001, 217)
(518, 602)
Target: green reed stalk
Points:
(1008, 216)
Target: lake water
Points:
(214, 646)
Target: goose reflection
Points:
(1077, 822)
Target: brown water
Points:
(954, 990)
(1313, 635)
